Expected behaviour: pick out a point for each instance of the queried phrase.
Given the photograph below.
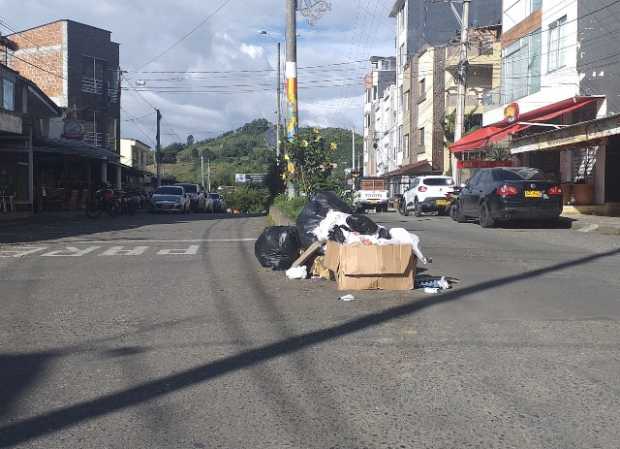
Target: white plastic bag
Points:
(333, 218)
(300, 272)
(401, 236)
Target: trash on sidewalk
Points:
(307, 254)
(437, 283)
(371, 267)
(319, 270)
(297, 272)
(431, 291)
(315, 211)
(362, 224)
(347, 298)
(277, 247)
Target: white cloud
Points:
(253, 51)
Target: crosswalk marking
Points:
(71, 251)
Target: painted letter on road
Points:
(192, 250)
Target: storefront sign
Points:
(511, 113)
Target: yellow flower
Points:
(333, 146)
(316, 131)
(304, 143)
(287, 157)
(291, 168)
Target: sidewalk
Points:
(593, 223)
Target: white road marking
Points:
(121, 251)
(21, 252)
(589, 228)
(192, 250)
(71, 251)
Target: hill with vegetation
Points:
(247, 149)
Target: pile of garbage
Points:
(339, 245)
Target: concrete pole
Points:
(279, 106)
(291, 69)
(202, 169)
(209, 174)
(158, 148)
(353, 164)
(459, 121)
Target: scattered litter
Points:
(431, 291)
(297, 272)
(331, 220)
(319, 270)
(362, 224)
(403, 237)
(347, 298)
(277, 247)
(307, 254)
(315, 212)
(435, 283)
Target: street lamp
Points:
(279, 97)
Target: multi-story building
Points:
(385, 131)
(77, 66)
(135, 154)
(381, 76)
(420, 24)
(558, 69)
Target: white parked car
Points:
(170, 199)
(428, 194)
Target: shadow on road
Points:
(52, 228)
(55, 420)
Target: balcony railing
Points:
(114, 94)
(92, 86)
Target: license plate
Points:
(442, 202)
(533, 194)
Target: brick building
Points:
(77, 66)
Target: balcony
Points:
(92, 86)
(114, 94)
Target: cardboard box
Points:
(361, 267)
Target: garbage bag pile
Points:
(278, 247)
(350, 229)
(315, 212)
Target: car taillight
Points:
(422, 189)
(555, 191)
(507, 190)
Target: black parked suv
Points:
(505, 194)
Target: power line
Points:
(192, 31)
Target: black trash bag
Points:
(362, 224)
(315, 211)
(278, 247)
(336, 234)
(384, 233)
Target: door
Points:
(468, 195)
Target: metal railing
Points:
(92, 86)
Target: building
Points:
(385, 131)
(77, 66)
(382, 75)
(135, 156)
(421, 24)
(558, 71)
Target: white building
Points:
(135, 154)
(385, 128)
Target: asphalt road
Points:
(163, 332)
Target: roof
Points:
(56, 21)
(398, 5)
(412, 169)
(132, 139)
(74, 147)
(481, 138)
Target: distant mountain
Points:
(248, 149)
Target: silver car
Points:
(170, 199)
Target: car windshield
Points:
(438, 181)
(169, 190)
(190, 188)
(519, 174)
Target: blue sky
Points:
(229, 42)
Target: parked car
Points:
(428, 194)
(170, 199)
(198, 200)
(215, 203)
(504, 194)
(371, 193)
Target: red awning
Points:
(481, 138)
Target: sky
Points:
(229, 42)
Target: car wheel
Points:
(486, 220)
(417, 208)
(405, 208)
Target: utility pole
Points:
(459, 121)
(209, 174)
(202, 168)
(279, 106)
(291, 69)
(353, 164)
(158, 148)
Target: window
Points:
(406, 146)
(422, 90)
(8, 95)
(401, 20)
(421, 138)
(402, 55)
(535, 5)
(521, 67)
(406, 102)
(557, 45)
(401, 98)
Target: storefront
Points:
(400, 180)
(587, 155)
(15, 192)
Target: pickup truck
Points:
(371, 194)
